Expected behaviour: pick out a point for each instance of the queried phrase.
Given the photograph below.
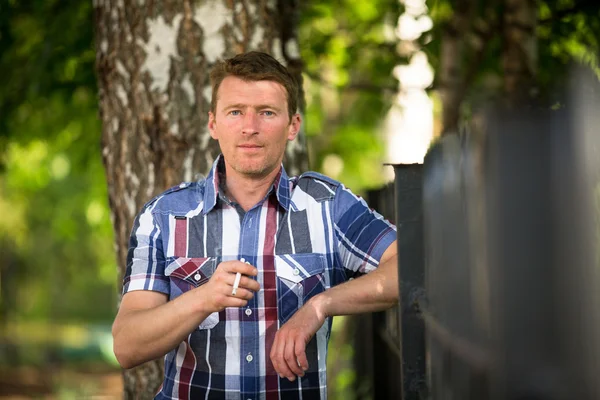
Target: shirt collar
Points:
(211, 189)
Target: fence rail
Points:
(498, 238)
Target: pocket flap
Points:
(297, 267)
(194, 270)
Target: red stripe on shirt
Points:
(187, 371)
(189, 267)
(270, 295)
(181, 237)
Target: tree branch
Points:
(482, 31)
(582, 5)
(357, 86)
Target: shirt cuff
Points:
(146, 282)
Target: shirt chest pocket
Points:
(186, 274)
(299, 277)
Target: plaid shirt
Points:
(308, 234)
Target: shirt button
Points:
(296, 271)
(249, 358)
(197, 277)
(248, 312)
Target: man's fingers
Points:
(290, 355)
(273, 355)
(238, 266)
(250, 284)
(230, 301)
(245, 282)
(301, 355)
(277, 358)
(242, 293)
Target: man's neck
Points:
(248, 191)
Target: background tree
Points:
(350, 50)
(153, 63)
(55, 252)
(57, 257)
(507, 48)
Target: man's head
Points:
(255, 66)
(253, 113)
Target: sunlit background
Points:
(370, 81)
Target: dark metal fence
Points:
(499, 262)
(377, 340)
(385, 367)
(512, 274)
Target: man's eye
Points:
(268, 113)
(235, 112)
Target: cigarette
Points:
(236, 283)
(238, 276)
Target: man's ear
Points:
(294, 127)
(212, 125)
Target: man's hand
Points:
(217, 292)
(148, 326)
(288, 353)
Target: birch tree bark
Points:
(153, 62)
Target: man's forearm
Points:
(148, 327)
(141, 335)
(375, 291)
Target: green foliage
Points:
(570, 35)
(567, 31)
(341, 375)
(46, 48)
(348, 48)
(56, 260)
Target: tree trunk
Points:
(451, 59)
(466, 38)
(519, 59)
(153, 60)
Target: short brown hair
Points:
(255, 66)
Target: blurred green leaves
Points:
(348, 48)
(566, 31)
(56, 255)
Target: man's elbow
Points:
(124, 351)
(392, 296)
(124, 355)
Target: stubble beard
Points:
(258, 167)
(252, 169)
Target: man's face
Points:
(252, 125)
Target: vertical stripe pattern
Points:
(270, 300)
(308, 234)
(181, 236)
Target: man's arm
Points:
(375, 291)
(148, 326)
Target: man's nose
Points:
(250, 124)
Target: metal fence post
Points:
(411, 266)
(511, 222)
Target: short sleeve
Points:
(145, 257)
(362, 234)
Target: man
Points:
(235, 279)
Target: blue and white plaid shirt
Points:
(309, 233)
